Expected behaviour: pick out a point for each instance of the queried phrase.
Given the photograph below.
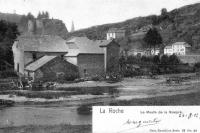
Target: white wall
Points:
(115, 35)
(111, 35)
(72, 60)
(18, 54)
(168, 51)
(176, 49)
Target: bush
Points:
(71, 77)
(84, 110)
(98, 77)
(114, 77)
(156, 59)
(197, 67)
(164, 60)
(132, 73)
(174, 60)
(7, 74)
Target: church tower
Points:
(72, 27)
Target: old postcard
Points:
(148, 119)
(65, 64)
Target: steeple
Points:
(72, 27)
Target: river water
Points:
(32, 115)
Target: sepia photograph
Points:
(66, 65)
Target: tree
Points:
(8, 33)
(43, 15)
(155, 20)
(153, 38)
(39, 15)
(174, 60)
(163, 12)
(164, 60)
(30, 16)
(156, 59)
(47, 15)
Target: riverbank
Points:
(188, 99)
(97, 91)
(138, 80)
(62, 128)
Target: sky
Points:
(87, 13)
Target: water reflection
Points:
(18, 116)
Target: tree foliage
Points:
(8, 33)
(43, 15)
(153, 38)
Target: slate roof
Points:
(138, 35)
(83, 45)
(181, 43)
(39, 63)
(177, 43)
(115, 30)
(168, 47)
(44, 43)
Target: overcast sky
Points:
(86, 13)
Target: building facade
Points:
(115, 33)
(50, 68)
(29, 49)
(92, 57)
(178, 48)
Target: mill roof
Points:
(83, 45)
(39, 63)
(42, 43)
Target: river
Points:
(33, 115)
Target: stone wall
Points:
(90, 64)
(57, 69)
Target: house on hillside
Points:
(92, 57)
(41, 57)
(178, 48)
(133, 45)
(115, 33)
(152, 51)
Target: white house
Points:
(115, 33)
(135, 52)
(155, 51)
(178, 48)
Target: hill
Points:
(51, 26)
(182, 24)
(15, 18)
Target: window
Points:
(17, 67)
(34, 56)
